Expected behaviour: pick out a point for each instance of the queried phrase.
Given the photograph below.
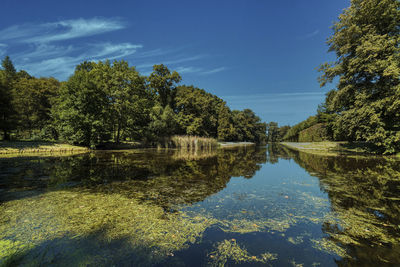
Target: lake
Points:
(246, 206)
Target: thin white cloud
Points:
(213, 71)
(309, 35)
(60, 31)
(45, 49)
(171, 62)
(64, 63)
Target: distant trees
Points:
(366, 40)
(111, 102)
(276, 133)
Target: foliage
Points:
(366, 42)
(275, 133)
(6, 108)
(293, 133)
(33, 99)
(107, 102)
(315, 133)
(102, 101)
(163, 83)
(197, 111)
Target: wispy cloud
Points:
(309, 35)
(213, 71)
(64, 63)
(52, 49)
(61, 30)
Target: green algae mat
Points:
(248, 206)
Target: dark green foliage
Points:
(163, 83)
(366, 42)
(7, 77)
(315, 133)
(101, 101)
(33, 99)
(294, 132)
(248, 127)
(197, 111)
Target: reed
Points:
(189, 142)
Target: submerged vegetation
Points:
(153, 206)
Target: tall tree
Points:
(366, 40)
(197, 111)
(163, 83)
(7, 76)
(33, 99)
(101, 101)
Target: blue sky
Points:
(254, 54)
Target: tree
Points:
(101, 102)
(366, 41)
(272, 132)
(248, 127)
(197, 111)
(163, 83)
(33, 99)
(226, 129)
(7, 76)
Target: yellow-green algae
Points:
(79, 214)
(230, 250)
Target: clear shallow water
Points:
(245, 206)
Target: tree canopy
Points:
(111, 102)
(366, 42)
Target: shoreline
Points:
(26, 148)
(330, 148)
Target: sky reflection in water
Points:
(245, 206)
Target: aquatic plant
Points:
(229, 250)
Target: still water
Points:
(249, 206)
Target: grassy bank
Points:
(331, 148)
(27, 147)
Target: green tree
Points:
(272, 132)
(163, 83)
(367, 100)
(33, 99)
(197, 111)
(7, 76)
(226, 129)
(248, 127)
(101, 102)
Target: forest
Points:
(112, 102)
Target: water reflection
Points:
(365, 200)
(177, 208)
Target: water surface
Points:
(246, 206)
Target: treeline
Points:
(365, 106)
(112, 102)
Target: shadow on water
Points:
(167, 176)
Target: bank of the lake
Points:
(32, 147)
(332, 148)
